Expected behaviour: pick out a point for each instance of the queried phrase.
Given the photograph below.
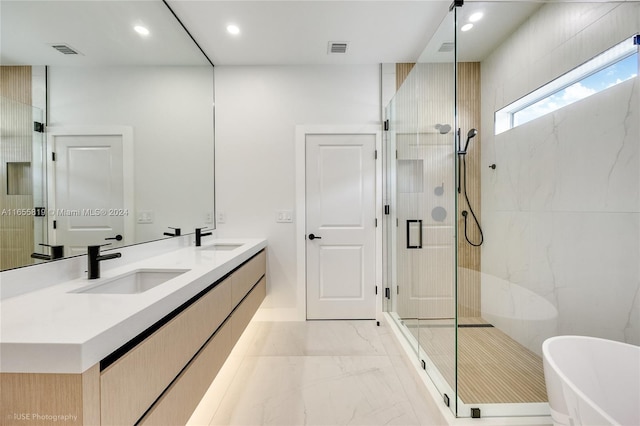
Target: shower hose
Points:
(464, 212)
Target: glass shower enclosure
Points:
(23, 195)
(421, 194)
(498, 239)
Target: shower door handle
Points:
(418, 244)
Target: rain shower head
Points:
(443, 128)
(472, 134)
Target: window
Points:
(618, 64)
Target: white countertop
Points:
(53, 330)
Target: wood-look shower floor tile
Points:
(492, 367)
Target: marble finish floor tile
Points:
(317, 338)
(316, 373)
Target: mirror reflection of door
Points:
(89, 184)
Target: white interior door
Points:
(340, 213)
(89, 202)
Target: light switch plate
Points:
(145, 216)
(208, 217)
(284, 216)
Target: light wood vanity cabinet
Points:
(178, 402)
(245, 311)
(181, 398)
(147, 370)
(247, 276)
(156, 379)
(161, 380)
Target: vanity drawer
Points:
(247, 309)
(246, 277)
(131, 384)
(176, 405)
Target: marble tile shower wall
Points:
(561, 212)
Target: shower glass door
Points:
(39, 176)
(22, 172)
(421, 226)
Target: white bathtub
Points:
(592, 381)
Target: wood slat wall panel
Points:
(425, 276)
(402, 71)
(439, 103)
(16, 122)
(469, 260)
(15, 83)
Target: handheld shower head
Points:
(472, 134)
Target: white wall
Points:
(561, 210)
(171, 112)
(257, 110)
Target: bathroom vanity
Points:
(140, 345)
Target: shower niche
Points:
(19, 180)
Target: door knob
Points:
(313, 237)
(117, 238)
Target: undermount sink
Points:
(221, 247)
(134, 282)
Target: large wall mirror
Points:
(107, 131)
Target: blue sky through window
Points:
(607, 77)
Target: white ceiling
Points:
(500, 19)
(298, 32)
(272, 32)
(102, 31)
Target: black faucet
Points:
(95, 258)
(199, 236)
(57, 252)
(176, 232)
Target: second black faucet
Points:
(175, 233)
(200, 234)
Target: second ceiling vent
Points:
(447, 46)
(65, 49)
(337, 47)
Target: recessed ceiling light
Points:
(475, 17)
(233, 29)
(466, 27)
(141, 30)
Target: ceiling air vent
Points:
(337, 47)
(446, 47)
(65, 49)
